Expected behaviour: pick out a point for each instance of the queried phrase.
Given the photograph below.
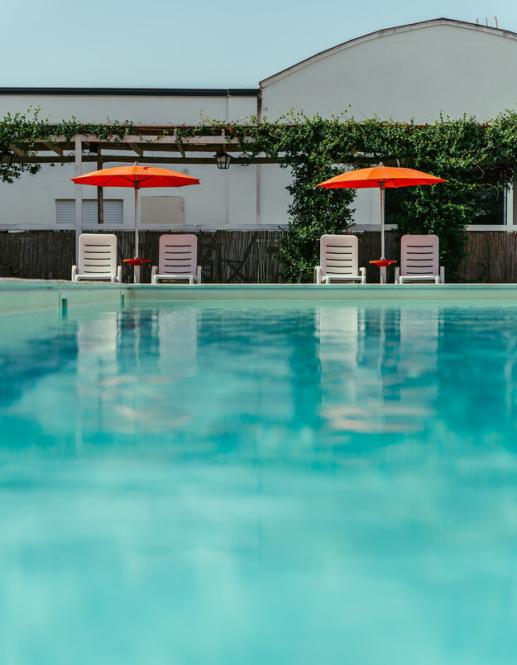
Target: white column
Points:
(258, 193)
(78, 154)
(511, 205)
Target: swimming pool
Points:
(263, 482)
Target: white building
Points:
(416, 71)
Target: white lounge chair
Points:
(339, 260)
(419, 260)
(97, 259)
(177, 259)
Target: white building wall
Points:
(413, 72)
(225, 199)
(139, 109)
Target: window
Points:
(113, 211)
(490, 206)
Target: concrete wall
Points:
(226, 199)
(409, 72)
(413, 72)
(149, 110)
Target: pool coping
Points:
(61, 294)
(7, 284)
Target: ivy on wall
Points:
(470, 155)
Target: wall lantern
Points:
(223, 160)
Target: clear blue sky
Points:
(203, 43)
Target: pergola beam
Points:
(54, 148)
(158, 144)
(17, 150)
(151, 159)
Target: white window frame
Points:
(509, 224)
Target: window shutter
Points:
(113, 211)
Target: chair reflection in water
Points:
(131, 366)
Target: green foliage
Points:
(21, 133)
(312, 212)
(470, 155)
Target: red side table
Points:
(382, 264)
(137, 262)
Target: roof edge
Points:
(138, 92)
(500, 32)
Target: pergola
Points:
(150, 144)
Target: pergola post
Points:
(100, 193)
(78, 154)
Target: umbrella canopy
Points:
(381, 177)
(137, 177)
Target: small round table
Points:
(137, 262)
(382, 264)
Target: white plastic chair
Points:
(420, 260)
(177, 259)
(339, 260)
(97, 259)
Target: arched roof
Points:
(387, 32)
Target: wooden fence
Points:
(234, 257)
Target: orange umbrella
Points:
(383, 177)
(137, 177)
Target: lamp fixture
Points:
(223, 160)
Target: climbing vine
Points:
(474, 157)
(21, 133)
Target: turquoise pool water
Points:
(199, 484)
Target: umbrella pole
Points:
(136, 221)
(136, 269)
(382, 221)
(383, 251)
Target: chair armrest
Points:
(198, 275)
(442, 275)
(317, 275)
(397, 274)
(74, 273)
(362, 272)
(119, 274)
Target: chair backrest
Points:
(97, 253)
(178, 254)
(419, 255)
(339, 255)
